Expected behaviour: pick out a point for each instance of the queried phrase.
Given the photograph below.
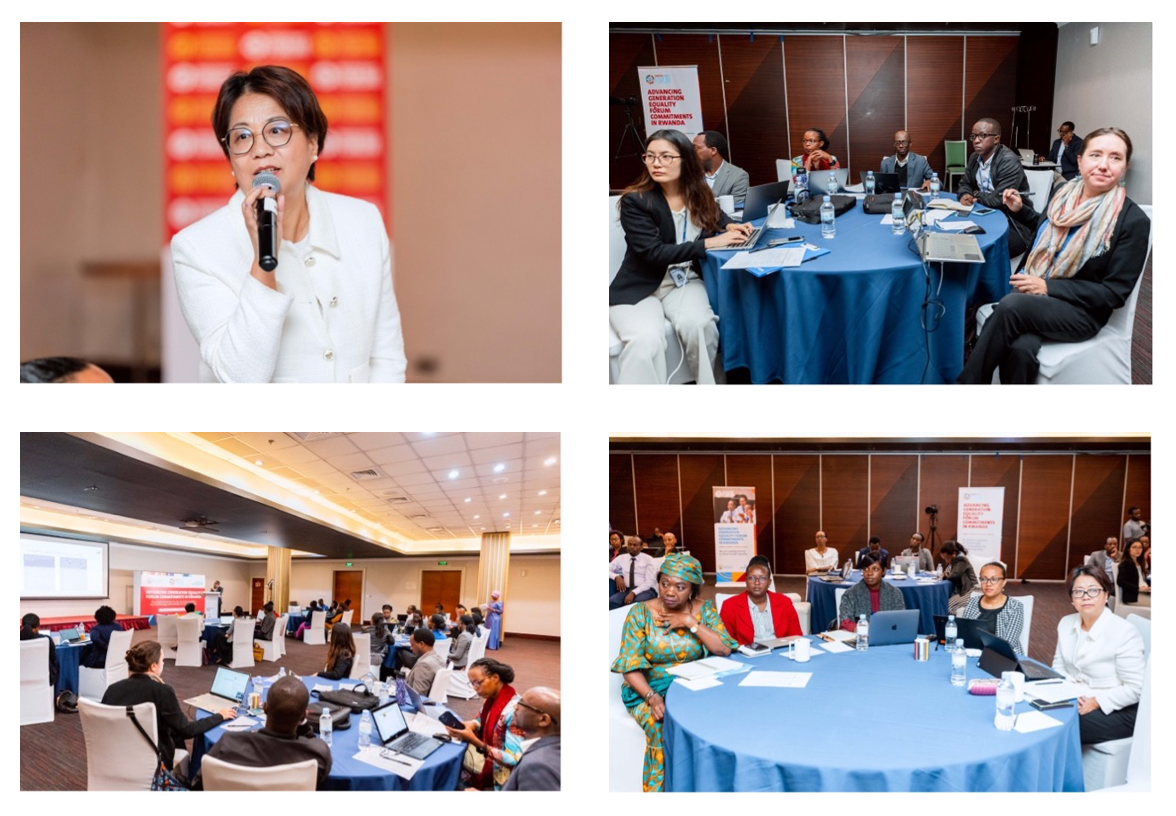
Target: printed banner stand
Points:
(670, 98)
(734, 531)
(981, 519)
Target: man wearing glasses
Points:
(993, 168)
(1065, 150)
(912, 169)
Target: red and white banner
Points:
(166, 593)
(980, 522)
(345, 65)
(670, 98)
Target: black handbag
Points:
(810, 211)
(358, 701)
(340, 716)
(878, 204)
(164, 780)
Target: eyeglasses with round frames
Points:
(658, 158)
(277, 133)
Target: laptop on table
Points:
(967, 629)
(228, 691)
(889, 628)
(69, 635)
(998, 656)
(394, 734)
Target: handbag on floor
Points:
(164, 780)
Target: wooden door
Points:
(257, 598)
(440, 587)
(349, 584)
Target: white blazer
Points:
(1108, 659)
(333, 319)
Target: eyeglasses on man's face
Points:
(979, 137)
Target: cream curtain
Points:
(493, 570)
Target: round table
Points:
(856, 314)
(440, 771)
(866, 721)
(929, 599)
(69, 656)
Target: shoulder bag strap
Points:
(138, 725)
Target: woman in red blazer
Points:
(736, 613)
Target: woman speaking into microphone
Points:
(325, 312)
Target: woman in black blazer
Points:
(671, 219)
(145, 662)
(1129, 575)
(340, 653)
(1089, 252)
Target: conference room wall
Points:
(1109, 85)
(531, 600)
(1058, 507)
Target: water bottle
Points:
(828, 227)
(950, 630)
(384, 693)
(899, 226)
(248, 692)
(870, 183)
(831, 183)
(1006, 695)
(369, 682)
(365, 730)
(911, 571)
(959, 659)
(863, 634)
(939, 572)
(325, 726)
(802, 191)
(935, 186)
(281, 672)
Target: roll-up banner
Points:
(734, 531)
(670, 98)
(981, 517)
(166, 593)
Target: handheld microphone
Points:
(267, 222)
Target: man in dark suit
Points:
(993, 168)
(1065, 151)
(723, 177)
(538, 716)
(911, 168)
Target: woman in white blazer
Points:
(1103, 652)
(327, 313)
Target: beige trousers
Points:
(642, 330)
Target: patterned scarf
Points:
(494, 731)
(1092, 223)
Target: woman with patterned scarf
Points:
(495, 738)
(675, 627)
(1089, 253)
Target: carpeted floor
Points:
(54, 754)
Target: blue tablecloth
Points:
(854, 315)
(929, 599)
(872, 721)
(441, 770)
(293, 623)
(69, 657)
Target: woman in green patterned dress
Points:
(675, 627)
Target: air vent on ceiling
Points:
(366, 474)
(312, 437)
(398, 500)
(435, 529)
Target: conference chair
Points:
(281, 632)
(92, 683)
(783, 170)
(1139, 757)
(117, 756)
(441, 647)
(274, 650)
(616, 254)
(437, 692)
(1144, 627)
(459, 684)
(1105, 764)
(188, 650)
(1041, 183)
(957, 160)
(316, 633)
(242, 643)
(165, 626)
(1027, 603)
(361, 662)
(626, 740)
(219, 775)
(837, 593)
(36, 695)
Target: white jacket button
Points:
(334, 302)
(328, 355)
(310, 260)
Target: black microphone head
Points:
(267, 179)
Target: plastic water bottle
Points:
(831, 183)
(870, 187)
(325, 726)
(911, 571)
(863, 634)
(1006, 695)
(802, 190)
(950, 630)
(828, 227)
(899, 226)
(369, 682)
(936, 186)
(959, 660)
(248, 692)
(939, 572)
(384, 693)
(365, 730)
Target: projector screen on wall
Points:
(52, 568)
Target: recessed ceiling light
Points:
(467, 501)
(502, 496)
(499, 468)
(534, 525)
(550, 460)
(257, 462)
(483, 528)
(537, 512)
(557, 521)
(476, 518)
(504, 515)
(453, 474)
(542, 492)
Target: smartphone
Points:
(448, 718)
(1045, 705)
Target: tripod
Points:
(630, 128)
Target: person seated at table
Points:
(339, 614)
(1090, 248)
(912, 169)
(670, 219)
(145, 685)
(991, 169)
(920, 549)
(437, 623)
(405, 657)
(94, 655)
(670, 545)
(264, 628)
(633, 574)
(821, 558)
(959, 570)
(816, 155)
(1103, 652)
(340, 653)
(190, 610)
(874, 547)
(381, 637)
(286, 737)
(494, 739)
(1065, 151)
(427, 662)
(721, 176)
(30, 627)
(538, 717)
(1146, 542)
(675, 627)
(1130, 574)
(314, 607)
(463, 637)
(222, 644)
(869, 595)
(1107, 557)
(476, 614)
(616, 544)
(996, 611)
(757, 614)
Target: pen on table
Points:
(398, 761)
(1048, 683)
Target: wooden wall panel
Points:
(815, 76)
(940, 480)
(934, 86)
(1000, 471)
(701, 50)
(1138, 488)
(894, 487)
(700, 472)
(757, 128)
(625, 53)
(1098, 496)
(622, 514)
(1045, 516)
(874, 67)
(797, 509)
(656, 477)
(844, 509)
(756, 471)
(990, 82)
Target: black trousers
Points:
(1099, 727)
(1012, 337)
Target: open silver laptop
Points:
(889, 628)
(228, 691)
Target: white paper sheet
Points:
(835, 648)
(1056, 692)
(691, 671)
(424, 724)
(403, 766)
(699, 684)
(933, 216)
(771, 679)
(767, 258)
(954, 225)
(1032, 721)
(322, 687)
(720, 664)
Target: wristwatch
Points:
(694, 628)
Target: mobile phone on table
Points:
(1045, 705)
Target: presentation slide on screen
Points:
(62, 567)
(166, 593)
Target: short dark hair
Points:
(992, 123)
(875, 540)
(1068, 124)
(104, 614)
(998, 565)
(718, 141)
(269, 606)
(920, 535)
(238, 611)
(189, 607)
(467, 623)
(30, 621)
(423, 636)
(285, 705)
(51, 369)
(1132, 509)
(438, 620)
(1097, 573)
(491, 666)
(868, 560)
(759, 561)
(387, 606)
(286, 87)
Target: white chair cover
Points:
(117, 756)
(316, 633)
(223, 776)
(92, 683)
(242, 643)
(188, 652)
(36, 695)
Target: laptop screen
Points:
(230, 684)
(390, 722)
(68, 634)
(228, 619)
